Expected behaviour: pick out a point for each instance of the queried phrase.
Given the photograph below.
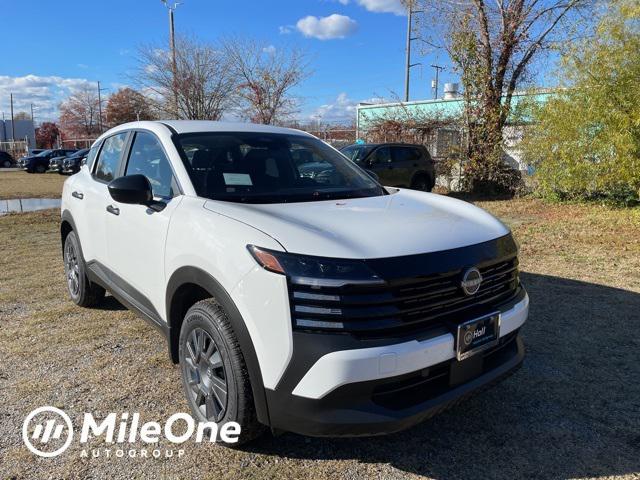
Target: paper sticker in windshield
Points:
(237, 179)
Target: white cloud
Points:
(45, 93)
(341, 110)
(285, 29)
(326, 28)
(270, 50)
(384, 6)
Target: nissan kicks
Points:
(294, 291)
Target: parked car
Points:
(40, 163)
(317, 302)
(395, 164)
(68, 165)
(35, 151)
(6, 160)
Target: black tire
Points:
(218, 360)
(61, 172)
(422, 182)
(6, 164)
(40, 169)
(81, 290)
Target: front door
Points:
(136, 234)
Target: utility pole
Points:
(435, 86)
(13, 124)
(32, 118)
(172, 44)
(407, 74)
(99, 109)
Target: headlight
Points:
(315, 271)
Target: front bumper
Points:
(386, 388)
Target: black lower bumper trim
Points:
(369, 408)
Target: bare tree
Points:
(266, 77)
(79, 113)
(204, 82)
(492, 44)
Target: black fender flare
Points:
(67, 217)
(199, 277)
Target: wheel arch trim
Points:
(194, 275)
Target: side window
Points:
(406, 154)
(109, 157)
(382, 155)
(147, 158)
(91, 156)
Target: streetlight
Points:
(172, 43)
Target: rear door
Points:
(136, 234)
(406, 161)
(95, 196)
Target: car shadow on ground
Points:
(110, 303)
(573, 410)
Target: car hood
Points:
(403, 223)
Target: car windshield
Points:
(356, 152)
(44, 153)
(252, 167)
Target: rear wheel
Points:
(422, 182)
(214, 375)
(6, 164)
(81, 290)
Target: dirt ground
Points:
(20, 184)
(572, 411)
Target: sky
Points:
(356, 47)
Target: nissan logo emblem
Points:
(471, 281)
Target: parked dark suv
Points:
(395, 164)
(69, 164)
(40, 163)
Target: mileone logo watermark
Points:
(48, 432)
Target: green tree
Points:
(586, 142)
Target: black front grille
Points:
(401, 304)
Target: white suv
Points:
(293, 289)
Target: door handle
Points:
(78, 195)
(113, 210)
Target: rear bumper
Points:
(335, 387)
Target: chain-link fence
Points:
(16, 149)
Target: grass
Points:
(572, 411)
(20, 184)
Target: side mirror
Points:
(83, 161)
(132, 189)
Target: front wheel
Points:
(40, 169)
(6, 164)
(81, 290)
(214, 374)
